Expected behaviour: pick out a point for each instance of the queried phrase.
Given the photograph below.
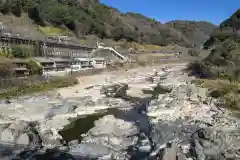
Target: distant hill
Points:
(90, 17)
(197, 32)
(227, 30)
(224, 59)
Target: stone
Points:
(136, 92)
(114, 90)
(73, 143)
(7, 136)
(23, 139)
(90, 150)
(113, 126)
(118, 135)
(170, 153)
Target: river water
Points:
(137, 115)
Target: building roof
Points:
(81, 59)
(20, 61)
(165, 51)
(98, 58)
(43, 60)
(21, 69)
(59, 59)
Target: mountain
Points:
(90, 17)
(197, 32)
(227, 30)
(224, 59)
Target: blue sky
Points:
(214, 11)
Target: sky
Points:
(214, 11)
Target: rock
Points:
(90, 150)
(73, 143)
(23, 139)
(22, 133)
(60, 109)
(170, 153)
(136, 92)
(113, 126)
(50, 139)
(145, 145)
(114, 90)
(7, 136)
(166, 131)
(117, 135)
(113, 102)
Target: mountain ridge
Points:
(94, 18)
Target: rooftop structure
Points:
(21, 67)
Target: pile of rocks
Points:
(109, 138)
(178, 140)
(185, 101)
(184, 121)
(114, 90)
(17, 137)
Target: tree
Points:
(16, 8)
(34, 68)
(36, 16)
(5, 7)
(19, 52)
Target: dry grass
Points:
(52, 31)
(44, 86)
(223, 89)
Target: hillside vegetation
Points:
(197, 32)
(93, 18)
(223, 61)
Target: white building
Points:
(87, 63)
(80, 64)
(98, 62)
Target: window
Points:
(99, 62)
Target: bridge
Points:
(112, 50)
(50, 45)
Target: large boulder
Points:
(112, 135)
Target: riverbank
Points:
(39, 87)
(133, 124)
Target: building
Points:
(46, 64)
(61, 64)
(52, 65)
(78, 64)
(20, 67)
(98, 62)
(88, 63)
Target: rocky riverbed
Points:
(142, 113)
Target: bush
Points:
(6, 69)
(34, 68)
(19, 52)
(57, 82)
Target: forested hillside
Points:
(224, 60)
(223, 63)
(197, 32)
(90, 17)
